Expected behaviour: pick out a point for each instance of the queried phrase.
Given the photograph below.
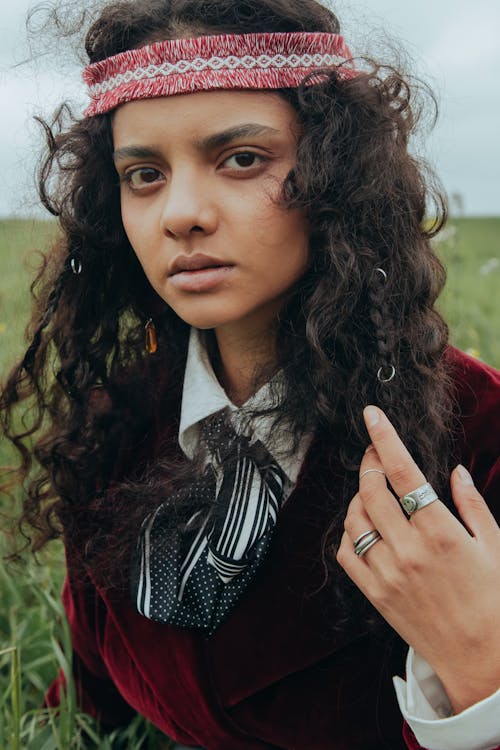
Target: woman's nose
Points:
(189, 207)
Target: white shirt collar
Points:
(203, 395)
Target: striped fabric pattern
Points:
(250, 503)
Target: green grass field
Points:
(471, 300)
(34, 640)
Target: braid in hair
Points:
(384, 331)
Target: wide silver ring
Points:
(363, 543)
(418, 499)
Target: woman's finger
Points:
(360, 528)
(473, 510)
(378, 501)
(355, 567)
(401, 470)
(356, 517)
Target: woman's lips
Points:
(201, 279)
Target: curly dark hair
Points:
(95, 427)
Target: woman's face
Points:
(200, 177)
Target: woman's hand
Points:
(436, 582)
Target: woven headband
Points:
(228, 61)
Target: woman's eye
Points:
(243, 160)
(138, 179)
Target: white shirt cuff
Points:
(426, 708)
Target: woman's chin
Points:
(207, 322)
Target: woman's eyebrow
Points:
(217, 140)
(210, 142)
(135, 152)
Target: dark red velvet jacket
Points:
(275, 675)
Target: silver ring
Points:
(368, 542)
(391, 369)
(367, 471)
(367, 546)
(418, 499)
(363, 536)
(381, 271)
(364, 539)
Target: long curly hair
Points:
(100, 415)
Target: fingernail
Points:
(370, 448)
(464, 475)
(372, 416)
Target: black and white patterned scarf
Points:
(194, 577)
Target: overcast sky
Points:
(454, 45)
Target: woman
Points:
(239, 195)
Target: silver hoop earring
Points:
(388, 375)
(75, 264)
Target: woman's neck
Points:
(243, 361)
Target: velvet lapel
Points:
(285, 622)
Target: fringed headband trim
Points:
(228, 61)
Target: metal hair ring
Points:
(381, 271)
(76, 265)
(392, 375)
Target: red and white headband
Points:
(227, 61)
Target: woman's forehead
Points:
(204, 114)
